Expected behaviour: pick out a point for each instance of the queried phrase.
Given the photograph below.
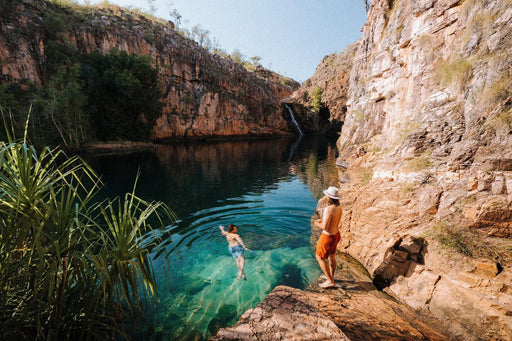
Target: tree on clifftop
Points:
(123, 95)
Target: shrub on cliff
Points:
(316, 98)
(123, 95)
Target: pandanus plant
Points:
(71, 268)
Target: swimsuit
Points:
(236, 250)
(326, 244)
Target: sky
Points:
(290, 36)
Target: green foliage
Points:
(450, 237)
(64, 3)
(108, 97)
(59, 50)
(501, 120)
(15, 102)
(419, 163)
(454, 70)
(468, 242)
(315, 96)
(123, 95)
(237, 57)
(65, 106)
(70, 268)
(365, 176)
(500, 90)
(497, 98)
(286, 81)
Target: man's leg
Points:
(332, 259)
(327, 271)
(242, 264)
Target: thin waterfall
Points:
(294, 120)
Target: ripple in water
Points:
(204, 294)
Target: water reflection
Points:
(194, 176)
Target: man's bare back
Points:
(331, 219)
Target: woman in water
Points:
(236, 247)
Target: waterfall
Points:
(294, 120)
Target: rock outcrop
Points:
(320, 102)
(205, 95)
(331, 78)
(355, 310)
(427, 142)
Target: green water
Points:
(263, 186)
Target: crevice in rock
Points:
(427, 302)
(499, 267)
(399, 260)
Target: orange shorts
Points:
(326, 245)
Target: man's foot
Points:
(327, 284)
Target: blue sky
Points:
(291, 36)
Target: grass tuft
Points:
(469, 243)
(455, 70)
(419, 163)
(366, 176)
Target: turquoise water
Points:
(261, 186)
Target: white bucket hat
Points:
(332, 192)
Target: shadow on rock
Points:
(400, 260)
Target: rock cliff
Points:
(330, 84)
(427, 142)
(205, 95)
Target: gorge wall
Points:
(427, 141)
(330, 83)
(205, 95)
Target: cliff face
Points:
(205, 95)
(320, 102)
(427, 137)
(331, 77)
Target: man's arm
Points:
(237, 237)
(222, 230)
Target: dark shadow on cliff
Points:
(400, 260)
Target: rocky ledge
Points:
(354, 310)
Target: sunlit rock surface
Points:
(355, 310)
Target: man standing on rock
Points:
(326, 245)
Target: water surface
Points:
(266, 187)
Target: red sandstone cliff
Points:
(205, 95)
(427, 142)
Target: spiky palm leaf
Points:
(66, 264)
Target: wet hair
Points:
(231, 228)
(334, 201)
